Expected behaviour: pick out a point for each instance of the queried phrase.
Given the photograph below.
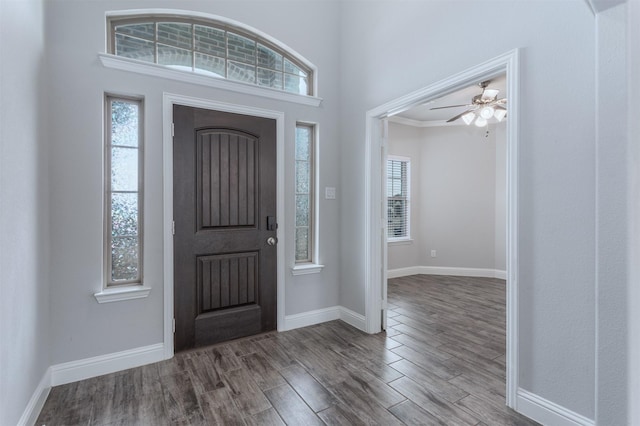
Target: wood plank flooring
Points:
(441, 362)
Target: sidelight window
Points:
(397, 198)
(304, 181)
(210, 48)
(123, 195)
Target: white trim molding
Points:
(547, 412)
(35, 404)
(318, 316)
(155, 70)
(375, 243)
(306, 269)
(422, 124)
(104, 364)
(352, 318)
(117, 294)
(169, 100)
(305, 319)
(439, 270)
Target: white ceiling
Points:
(423, 113)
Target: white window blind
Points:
(397, 198)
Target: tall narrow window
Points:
(123, 168)
(304, 192)
(397, 198)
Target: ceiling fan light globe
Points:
(481, 122)
(487, 112)
(500, 114)
(468, 118)
(490, 94)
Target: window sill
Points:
(400, 242)
(147, 68)
(306, 269)
(117, 294)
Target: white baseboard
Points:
(306, 319)
(39, 397)
(318, 316)
(547, 412)
(104, 364)
(439, 270)
(354, 319)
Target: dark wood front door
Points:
(224, 208)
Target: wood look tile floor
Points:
(441, 362)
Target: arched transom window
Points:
(209, 47)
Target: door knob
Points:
(272, 241)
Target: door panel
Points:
(227, 190)
(224, 190)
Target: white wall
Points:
(454, 196)
(404, 46)
(24, 196)
(82, 328)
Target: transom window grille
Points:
(123, 170)
(397, 198)
(210, 48)
(304, 192)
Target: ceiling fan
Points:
(484, 106)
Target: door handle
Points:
(272, 241)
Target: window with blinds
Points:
(397, 198)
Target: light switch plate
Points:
(330, 193)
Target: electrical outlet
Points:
(434, 253)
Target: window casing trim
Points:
(125, 289)
(122, 292)
(311, 265)
(147, 68)
(177, 15)
(311, 243)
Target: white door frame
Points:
(168, 101)
(375, 270)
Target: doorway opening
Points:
(169, 101)
(375, 194)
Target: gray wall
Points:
(453, 196)
(612, 229)
(556, 165)
(500, 211)
(81, 327)
(24, 197)
(632, 290)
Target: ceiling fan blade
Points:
(489, 94)
(459, 115)
(501, 101)
(497, 106)
(451, 106)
